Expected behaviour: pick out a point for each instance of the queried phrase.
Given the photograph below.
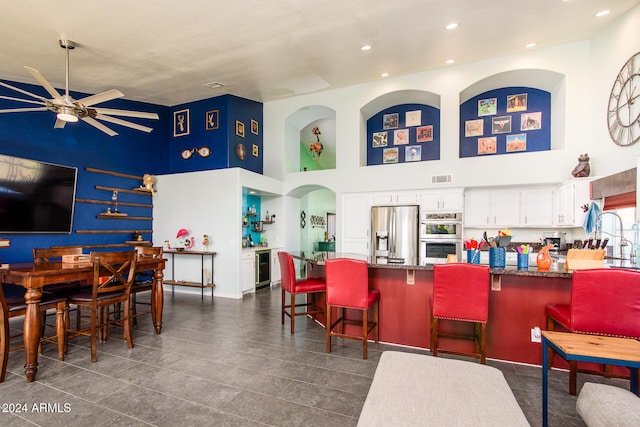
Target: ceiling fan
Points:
(68, 109)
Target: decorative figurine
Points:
(582, 169)
(148, 181)
(184, 241)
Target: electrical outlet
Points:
(535, 334)
(411, 277)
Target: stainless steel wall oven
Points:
(440, 236)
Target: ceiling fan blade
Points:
(24, 92)
(97, 124)
(123, 123)
(22, 100)
(59, 124)
(100, 97)
(23, 110)
(127, 113)
(45, 84)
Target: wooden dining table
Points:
(33, 277)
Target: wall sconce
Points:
(203, 151)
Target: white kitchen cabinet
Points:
(275, 265)
(537, 207)
(570, 196)
(248, 271)
(492, 208)
(394, 198)
(450, 200)
(356, 222)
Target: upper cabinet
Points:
(492, 208)
(536, 207)
(569, 199)
(529, 207)
(395, 198)
(442, 200)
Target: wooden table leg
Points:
(157, 300)
(32, 331)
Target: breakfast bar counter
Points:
(516, 305)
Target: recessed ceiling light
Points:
(450, 61)
(213, 85)
(384, 75)
(603, 13)
(365, 47)
(452, 26)
(530, 45)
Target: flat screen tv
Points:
(36, 197)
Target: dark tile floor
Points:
(225, 362)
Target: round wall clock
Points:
(623, 116)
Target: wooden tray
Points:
(76, 259)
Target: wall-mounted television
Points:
(36, 197)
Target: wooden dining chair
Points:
(14, 305)
(44, 255)
(113, 275)
(143, 281)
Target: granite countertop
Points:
(556, 270)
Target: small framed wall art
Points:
(212, 119)
(181, 122)
(254, 127)
(239, 129)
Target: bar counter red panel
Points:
(513, 311)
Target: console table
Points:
(203, 281)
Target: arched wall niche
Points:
(296, 122)
(387, 100)
(313, 200)
(550, 81)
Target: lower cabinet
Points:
(248, 271)
(275, 265)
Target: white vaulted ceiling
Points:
(163, 52)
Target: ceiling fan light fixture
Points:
(66, 114)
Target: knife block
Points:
(580, 259)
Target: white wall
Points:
(589, 69)
(210, 202)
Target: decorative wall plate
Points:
(241, 152)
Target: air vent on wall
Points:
(441, 179)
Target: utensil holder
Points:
(497, 257)
(523, 261)
(473, 257)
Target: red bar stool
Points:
(604, 301)
(348, 287)
(461, 293)
(295, 287)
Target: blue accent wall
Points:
(31, 135)
(538, 101)
(223, 140)
(429, 150)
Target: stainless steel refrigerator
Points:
(394, 235)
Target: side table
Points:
(589, 348)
